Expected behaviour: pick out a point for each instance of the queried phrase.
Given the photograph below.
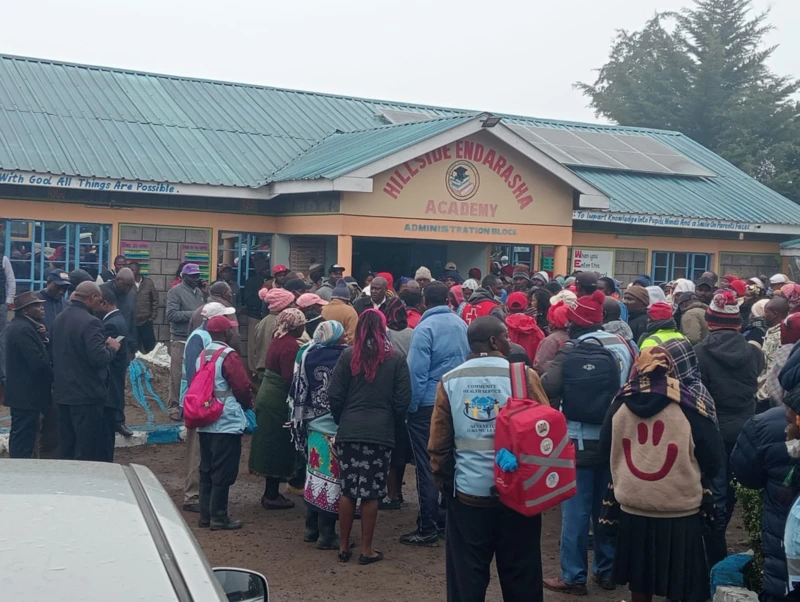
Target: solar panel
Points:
(642, 154)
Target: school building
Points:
(96, 161)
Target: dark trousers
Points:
(48, 434)
(24, 430)
(146, 337)
(716, 542)
(475, 535)
(80, 432)
(419, 431)
(219, 458)
(105, 448)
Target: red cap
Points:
(279, 269)
(740, 286)
(660, 311)
(218, 324)
(517, 301)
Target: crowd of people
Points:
(669, 393)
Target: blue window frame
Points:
(36, 247)
(668, 266)
(237, 249)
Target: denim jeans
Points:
(419, 431)
(576, 513)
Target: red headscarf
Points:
(389, 279)
(557, 315)
(790, 329)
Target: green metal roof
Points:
(344, 152)
(79, 120)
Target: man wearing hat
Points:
(729, 367)
(53, 296)
(777, 281)
(297, 286)
(335, 273)
(182, 300)
(30, 374)
(197, 341)
(280, 275)
(521, 278)
(341, 310)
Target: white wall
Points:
(469, 255)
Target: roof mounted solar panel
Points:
(396, 116)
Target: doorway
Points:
(398, 257)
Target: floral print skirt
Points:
(323, 486)
(363, 469)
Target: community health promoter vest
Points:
(477, 390)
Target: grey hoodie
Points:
(619, 327)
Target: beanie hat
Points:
(517, 301)
(541, 276)
(277, 299)
(423, 273)
(588, 310)
(660, 311)
(557, 315)
(471, 284)
(639, 293)
(643, 281)
(730, 277)
(568, 298)
(521, 271)
(340, 291)
(757, 310)
(790, 330)
(740, 286)
(723, 312)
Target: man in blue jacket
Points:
(439, 344)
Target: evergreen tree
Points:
(703, 72)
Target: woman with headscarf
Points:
(397, 324)
(369, 394)
(455, 297)
(277, 299)
(313, 430)
(469, 287)
(272, 453)
(660, 439)
(548, 348)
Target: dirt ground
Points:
(271, 543)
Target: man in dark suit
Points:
(29, 374)
(377, 296)
(115, 327)
(81, 357)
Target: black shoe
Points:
(415, 538)
(205, 506)
(124, 431)
(605, 582)
(219, 511)
(191, 507)
(387, 504)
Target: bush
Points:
(750, 501)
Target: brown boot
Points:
(557, 585)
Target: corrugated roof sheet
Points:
(89, 121)
(344, 152)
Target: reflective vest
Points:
(232, 421)
(477, 389)
(661, 336)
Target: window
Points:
(670, 266)
(238, 249)
(35, 248)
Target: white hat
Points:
(213, 309)
(779, 279)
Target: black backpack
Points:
(590, 381)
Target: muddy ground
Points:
(271, 543)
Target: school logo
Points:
(462, 180)
(482, 408)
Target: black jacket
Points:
(114, 325)
(729, 367)
(52, 307)
(366, 412)
(126, 303)
(637, 320)
(760, 461)
(29, 374)
(362, 304)
(80, 357)
(790, 373)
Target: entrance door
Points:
(400, 258)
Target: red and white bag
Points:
(537, 436)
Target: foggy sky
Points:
(511, 56)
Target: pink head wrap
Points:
(278, 299)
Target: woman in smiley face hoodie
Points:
(661, 436)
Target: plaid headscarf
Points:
(654, 372)
(688, 373)
(288, 320)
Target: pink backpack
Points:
(200, 407)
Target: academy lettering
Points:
(462, 209)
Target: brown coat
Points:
(146, 301)
(442, 444)
(342, 312)
(693, 323)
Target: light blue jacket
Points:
(232, 421)
(438, 345)
(477, 389)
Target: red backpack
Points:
(200, 407)
(537, 436)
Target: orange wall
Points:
(663, 243)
